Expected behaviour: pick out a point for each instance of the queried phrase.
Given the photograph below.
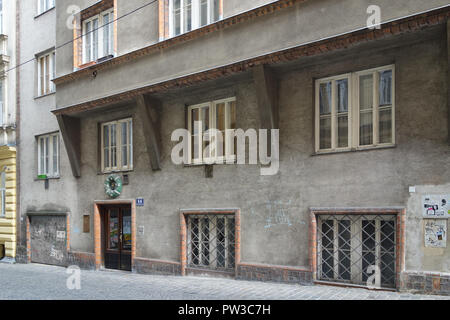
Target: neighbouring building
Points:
(8, 96)
(362, 188)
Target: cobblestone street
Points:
(34, 281)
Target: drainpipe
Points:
(18, 213)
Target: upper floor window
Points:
(98, 36)
(207, 144)
(48, 155)
(117, 145)
(1, 16)
(46, 73)
(186, 15)
(45, 5)
(2, 101)
(356, 110)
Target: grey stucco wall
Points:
(357, 179)
(38, 35)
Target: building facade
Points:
(351, 189)
(8, 98)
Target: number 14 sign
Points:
(139, 202)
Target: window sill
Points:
(43, 12)
(368, 148)
(48, 178)
(45, 95)
(87, 64)
(96, 62)
(125, 171)
(231, 161)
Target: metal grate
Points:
(351, 247)
(211, 242)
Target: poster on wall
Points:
(435, 233)
(436, 206)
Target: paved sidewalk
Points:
(34, 281)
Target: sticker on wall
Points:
(435, 233)
(435, 206)
(60, 235)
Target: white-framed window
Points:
(117, 145)
(46, 73)
(98, 36)
(1, 16)
(356, 110)
(3, 115)
(48, 155)
(45, 5)
(219, 115)
(186, 15)
(3, 193)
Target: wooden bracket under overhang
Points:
(267, 96)
(70, 132)
(148, 111)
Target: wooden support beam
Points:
(267, 96)
(148, 111)
(70, 132)
(448, 78)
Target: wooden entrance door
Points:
(117, 235)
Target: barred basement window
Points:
(117, 145)
(348, 245)
(356, 110)
(211, 242)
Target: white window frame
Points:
(88, 36)
(45, 5)
(195, 15)
(229, 156)
(49, 171)
(119, 145)
(3, 101)
(46, 87)
(3, 192)
(1, 16)
(354, 111)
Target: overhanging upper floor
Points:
(159, 72)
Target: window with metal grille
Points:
(349, 245)
(211, 242)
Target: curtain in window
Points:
(177, 16)
(386, 88)
(366, 110)
(55, 155)
(325, 115)
(342, 112)
(187, 19)
(385, 108)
